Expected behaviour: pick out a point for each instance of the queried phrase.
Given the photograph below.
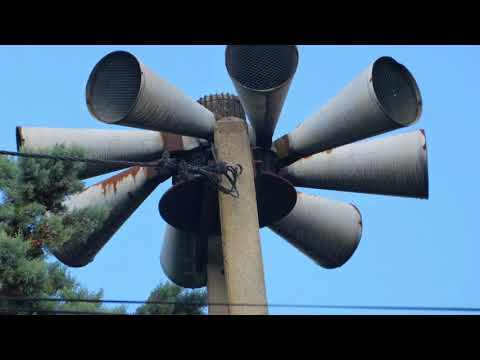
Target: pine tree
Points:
(177, 301)
(33, 221)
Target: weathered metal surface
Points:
(262, 75)
(175, 143)
(382, 98)
(121, 90)
(185, 255)
(97, 144)
(121, 194)
(395, 165)
(242, 254)
(265, 160)
(181, 205)
(179, 259)
(326, 231)
(276, 197)
(172, 142)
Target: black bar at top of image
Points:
(206, 38)
(343, 23)
(244, 36)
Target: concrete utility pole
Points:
(222, 106)
(216, 282)
(242, 256)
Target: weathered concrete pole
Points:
(242, 257)
(216, 283)
(222, 105)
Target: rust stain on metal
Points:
(150, 172)
(172, 142)
(115, 180)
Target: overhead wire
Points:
(272, 305)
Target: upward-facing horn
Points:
(262, 75)
(382, 98)
(121, 90)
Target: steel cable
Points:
(209, 172)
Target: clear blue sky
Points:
(412, 252)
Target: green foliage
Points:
(33, 219)
(178, 301)
(8, 174)
(72, 228)
(20, 275)
(48, 181)
(61, 284)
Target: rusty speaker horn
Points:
(382, 98)
(121, 194)
(395, 165)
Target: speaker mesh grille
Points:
(113, 86)
(396, 90)
(261, 67)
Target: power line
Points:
(7, 311)
(76, 159)
(316, 306)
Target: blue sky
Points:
(412, 253)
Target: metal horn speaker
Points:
(142, 145)
(121, 195)
(262, 75)
(326, 231)
(382, 98)
(123, 91)
(396, 165)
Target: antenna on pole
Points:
(209, 150)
